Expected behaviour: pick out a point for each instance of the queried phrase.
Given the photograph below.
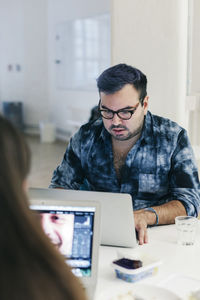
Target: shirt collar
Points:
(147, 134)
(104, 133)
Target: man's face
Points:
(59, 228)
(127, 99)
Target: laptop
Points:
(73, 226)
(117, 219)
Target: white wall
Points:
(11, 50)
(152, 36)
(195, 48)
(36, 61)
(193, 103)
(63, 102)
(23, 41)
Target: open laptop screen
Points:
(70, 229)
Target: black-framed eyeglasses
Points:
(124, 114)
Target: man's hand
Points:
(141, 226)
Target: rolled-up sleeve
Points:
(69, 174)
(183, 179)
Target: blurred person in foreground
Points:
(130, 150)
(31, 266)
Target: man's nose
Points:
(116, 120)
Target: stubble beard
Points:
(129, 134)
(127, 137)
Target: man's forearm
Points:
(166, 213)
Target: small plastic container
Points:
(149, 268)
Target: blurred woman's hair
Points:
(30, 266)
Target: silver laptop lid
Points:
(117, 219)
(73, 226)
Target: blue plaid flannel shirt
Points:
(160, 167)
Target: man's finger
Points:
(143, 236)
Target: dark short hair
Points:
(115, 78)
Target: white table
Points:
(182, 262)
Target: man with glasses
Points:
(130, 150)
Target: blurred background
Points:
(51, 53)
